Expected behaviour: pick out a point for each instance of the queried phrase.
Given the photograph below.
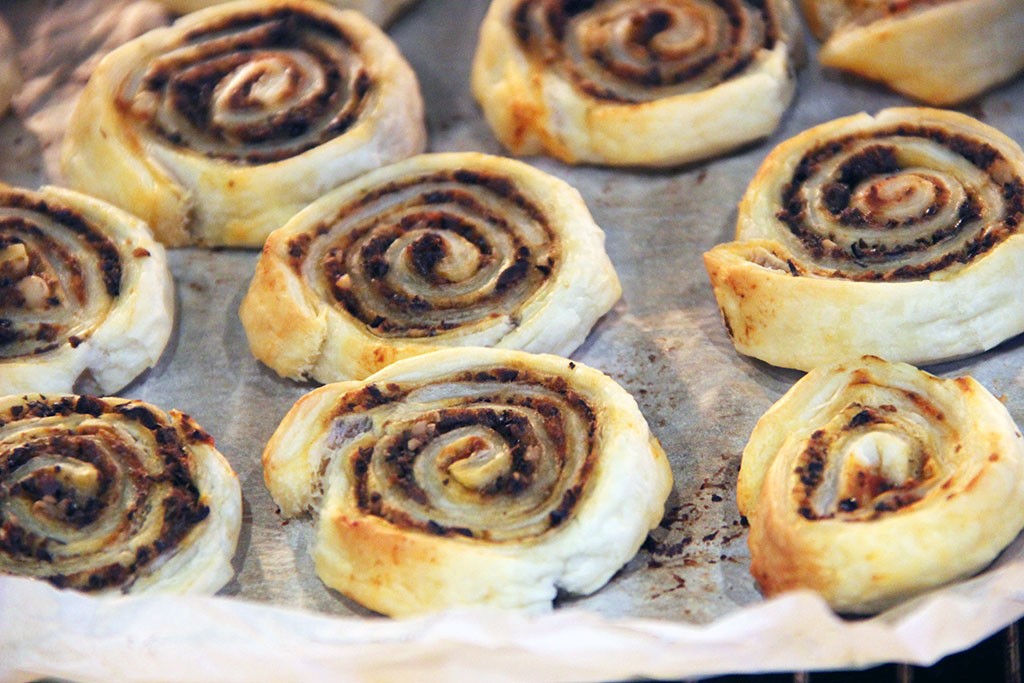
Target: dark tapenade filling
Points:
(48, 257)
(881, 159)
(232, 42)
(355, 265)
(541, 28)
(396, 453)
(50, 494)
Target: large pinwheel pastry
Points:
(219, 128)
(634, 82)
(470, 477)
(938, 51)
(380, 12)
(110, 495)
(440, 250)
(84, 291)
(871, 482)
(896, 235)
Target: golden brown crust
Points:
(940, 52)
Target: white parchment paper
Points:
(685, 606)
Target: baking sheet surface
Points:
(685, 606)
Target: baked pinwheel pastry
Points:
(10, 74)
(871, 482)
(458, 249)
(380, 12)
(218, 129)
(634, 82)
(896, 235)
(84, 289)
(938, 51)
(470, 477)
(108, 495)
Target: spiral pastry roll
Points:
(634, 82)
(84, 289)
(380, 12)
(896, 235)
(218, 129)
(107, 495)
(938, 51)
(870, 482)
(470, 477)
(440, 250)
(10, 74)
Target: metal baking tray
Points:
(686, 604)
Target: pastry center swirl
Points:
(91, 493)
(431, 253)
(887, 449)
(638, 50)
(500, 455)
(59, 275)
(254, 89)
(900, 204)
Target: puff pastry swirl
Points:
(84, 288)
(896, 235)
(938, 51)
(218, 129)
(470, 477)
(107, 495)
(380, 12)
(458, 249)
(870, 482)
(634, 82)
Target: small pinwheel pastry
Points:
(635, 82)
(938, 51)
(219, 128)
(470, 477)
(440, 250)
(896, 235)
(84, 289)
(871, 482)
(108, 495)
